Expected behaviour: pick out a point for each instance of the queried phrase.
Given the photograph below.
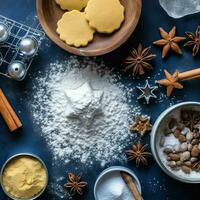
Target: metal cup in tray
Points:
(18, 46)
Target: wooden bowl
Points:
(49, 13)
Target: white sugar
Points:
(113, 187)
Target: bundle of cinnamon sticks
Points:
(8, 114)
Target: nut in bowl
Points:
(24, 177)
(175, 142)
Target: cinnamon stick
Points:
(131, 185)
(8, 114)
(195, 73)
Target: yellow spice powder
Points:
(24, 177)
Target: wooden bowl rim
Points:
(81, 51)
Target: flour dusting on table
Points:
(83, 112)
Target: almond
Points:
(182, 138)
(174, 157)
(186, 169)
(195, 151)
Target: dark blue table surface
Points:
(156, 185)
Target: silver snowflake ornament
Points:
(147, 92)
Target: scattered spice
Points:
(196, 166)
(173, 81)
(170, 82)
(75, 184)
(194, 41)
(139, 153)
(138, 60)
(141, 124)
(169, 41)
(147, 92)
(190, 118)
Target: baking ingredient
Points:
(72, 5)
(180, 8)
(113, 187)
(105, 16)
(139, 153)
(138, 60)
(194, 41)
(24, 177)
(147, 92)
(74, 29)
(169, 41)
(12, 120)
(141, 124)
(75, 184)
(185, 153)
(81, 110)
(171, 82)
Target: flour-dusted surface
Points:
(82, 112)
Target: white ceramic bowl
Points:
(115, 169)
(157, 132)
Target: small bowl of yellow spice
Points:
(24, 177)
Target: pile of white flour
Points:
(82, 112)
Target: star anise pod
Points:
(138, 60)
(141, 124)
(196, 166)
(169, 41)
(170, 82)
(194, 41)
(139, 153)
(75, 184)
(190, 118)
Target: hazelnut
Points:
(183, 147)
(189, 136)
(185, 156)
(189, 147)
